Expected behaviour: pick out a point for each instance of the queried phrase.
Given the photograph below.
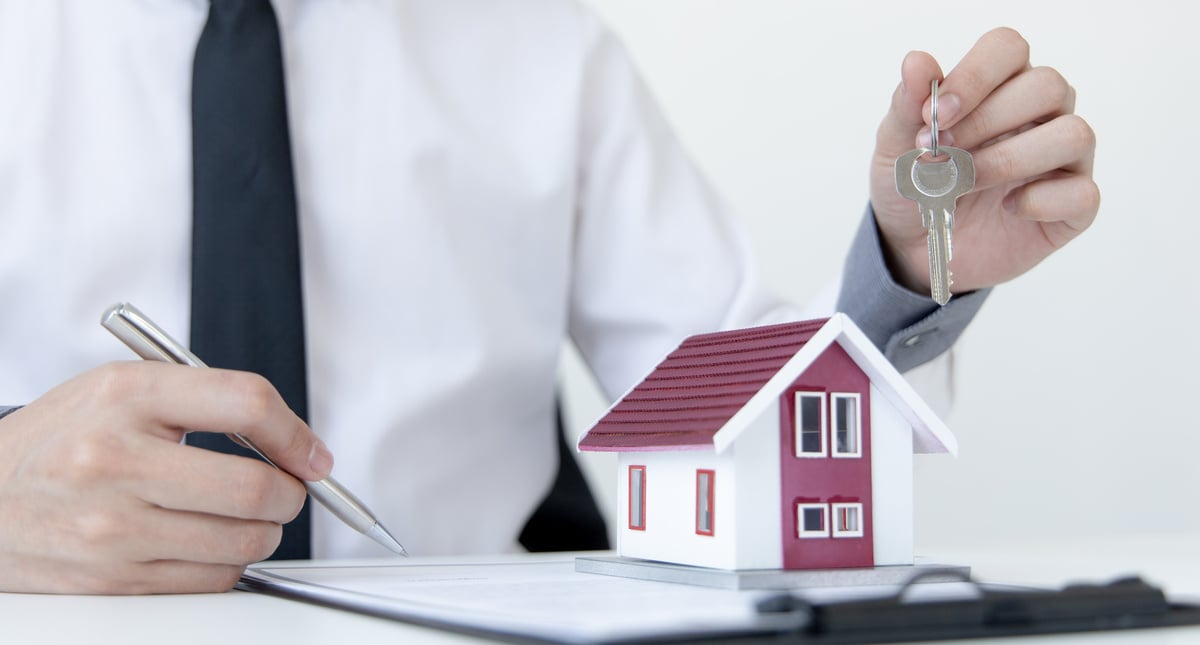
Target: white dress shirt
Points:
(477, 180)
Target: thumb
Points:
(909, 113)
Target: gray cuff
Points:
(908, 327)
(5, 411)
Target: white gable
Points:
(929, 433)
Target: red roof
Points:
(698, 388)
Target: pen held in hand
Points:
(150, 342)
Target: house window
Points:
(847, 520)
(810, 424)
(847, 431)
(812, 520)
(704, 501)
(637, 498)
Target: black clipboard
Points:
(1126, 603)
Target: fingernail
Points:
(320, 460)
(948, 107)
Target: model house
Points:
(788, 446)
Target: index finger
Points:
(228, 401)
(996, 57)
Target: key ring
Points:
(933, 124)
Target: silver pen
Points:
(150, 342)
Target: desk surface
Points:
(1169, 560)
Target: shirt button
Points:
(912, 340)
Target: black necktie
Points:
(247, 307)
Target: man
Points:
(475, 179)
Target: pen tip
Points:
(382, 536)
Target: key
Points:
(936, 187)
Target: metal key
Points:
(936, 186)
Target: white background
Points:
(1076, 401)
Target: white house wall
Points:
(759, 531)
(746, 505)
(670, 533)
(891, 482)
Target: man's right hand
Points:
(98, 495)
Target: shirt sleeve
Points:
(909, 327)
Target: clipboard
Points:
(1125, 603)
(544, 599)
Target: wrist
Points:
(905, 324)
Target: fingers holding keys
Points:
(1017, 120)
(1032, 155)
(97, 495)
(998, 56)
(1029, 146)
(1035, 96)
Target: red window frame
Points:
(711, 497)
(641, 498)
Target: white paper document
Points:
(533, 597)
